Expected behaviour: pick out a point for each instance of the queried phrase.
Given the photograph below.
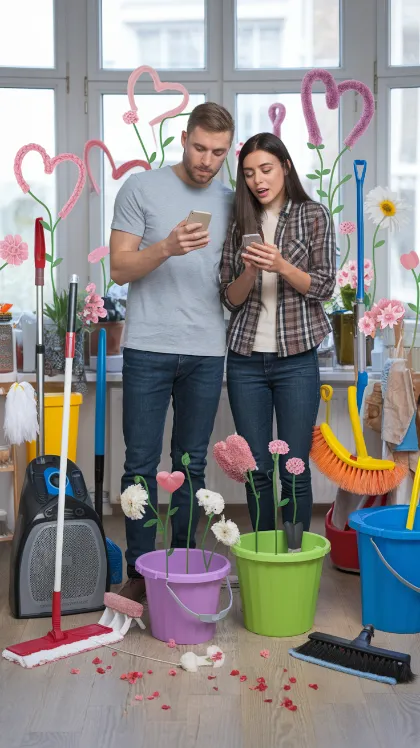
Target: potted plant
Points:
(182, 584)
(114, 304)
(279, 571)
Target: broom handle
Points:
(40, 349)
(414, 498)
(69, 353)
(100, 408)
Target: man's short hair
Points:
(211, 117)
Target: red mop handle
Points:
(39, 252)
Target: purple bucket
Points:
(184, 606)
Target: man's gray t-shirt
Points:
(175, 308)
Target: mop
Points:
(58, 644)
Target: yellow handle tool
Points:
(413, 501)
(355, 422)
(326, 394)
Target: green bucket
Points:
(279, 592)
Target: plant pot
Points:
(114, 332)
(342, 323)
(279, 592)
(184, 606)
(294, 535)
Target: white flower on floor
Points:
(214, 658)
(212, 502)
(134, 501)
(226, 532)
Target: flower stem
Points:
(104, 275)
(165, 535)
(211, 555)
(191, 511)
(231, 180)
(294, 498)
(144, 483)
(330, 197)
(276, 501)
(257, 501)
(204, 539)
(322, 167)
(174, 116)
(3, 266)
(417, 311)
(347, 253)
(52, 230)
(373, 261)
(142, 144)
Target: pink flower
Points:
(265, 652)
(234, 457)
(295, 466)
(238, 149)
(389, 316)
(368, 265)
(343, 278)
(347, 227)
(90, 288)
(165, 707)
(94, 306)
(130, 117)
(353, 280)
(13, 250)
(410, 260)
(98, 254)
(75, 671)
(367, 325)
(139, 697)
(331, 95)
(278, 447)
(216, 656)
(172, 672)
(277, 113)
(352, 265)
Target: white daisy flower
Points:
(386, 208)
(212, 502)
(134, 501)
(226, 532)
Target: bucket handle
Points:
(395, 573)
(205, 617)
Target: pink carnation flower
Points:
(295, 466)
(98, 254)
(278, 447)
(389, 316)
(130, 117)
(347, 227)
(234, 457)
(367, 325)
(93, 309)
(13, 250)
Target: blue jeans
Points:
(258, 386)
(149, 382)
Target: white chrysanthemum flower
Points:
(386, 208)
(212, 502)
(226, 532)
(134, 501)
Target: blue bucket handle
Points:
(205, 617)
(395, 573)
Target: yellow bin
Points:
(53, 424)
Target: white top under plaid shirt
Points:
(306, 237)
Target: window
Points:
(405, 32)
(24, 22)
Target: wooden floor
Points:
(49, 708)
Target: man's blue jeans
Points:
(150, 380)
(258, 386)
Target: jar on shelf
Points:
(4, 531)
(6, 341)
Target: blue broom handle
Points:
(100, 395)
(360, 178)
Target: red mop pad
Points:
(58, 644)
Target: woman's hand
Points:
(263, 257)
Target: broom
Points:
(58, 644)
(359, 473)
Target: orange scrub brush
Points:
(359, 473)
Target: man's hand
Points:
(185, 238)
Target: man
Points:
(174, 341)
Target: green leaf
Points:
(152, 157)
(150, 523)
(346, 178)
(366, 300)
(283, 502)
(45, 225)
(311, 146)
(413, 308)
(380, 244)
(322, 193)
(173, 511)
(312, 176)
(170, 552)
(320, 147)
(185, 459)
(48, 257)
(317, 171)
(325, 172)
(57, 262)
(168, 140)
(338, 209)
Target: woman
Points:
(274, 290)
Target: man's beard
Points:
(192, 173)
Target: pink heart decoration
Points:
(410, 261)
(332, 95)
(117, 173)
(131, 116)
(49, 166)
(170, 482)
(277, 113)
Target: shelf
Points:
(10, 468)
(6, 538)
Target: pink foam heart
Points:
(49, 166)
(409, 261)
(332, 96)
(159, 86)
(117, 173)
(277, 113)
(170, 482)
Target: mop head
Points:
(21, 419)
(356, 657)
(50, 648)
(350, 477)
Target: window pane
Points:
(405, 180)
(252, 117)
(405, 32)
(27, 34)
(18, 211)
(165, 34)
(267, 33)
(122, 141)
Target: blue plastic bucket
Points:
(389, 557)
